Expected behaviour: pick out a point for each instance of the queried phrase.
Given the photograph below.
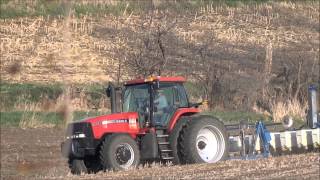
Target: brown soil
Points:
(31, 153)
(35, 154)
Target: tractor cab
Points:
(155, 99)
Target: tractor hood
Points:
(108, 119)
(114, 123)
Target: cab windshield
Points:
(136, 98)
(167, 98)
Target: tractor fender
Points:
(105, 135)
(181, 112)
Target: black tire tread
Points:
(175, 138)
(106, 154)
(77, 166)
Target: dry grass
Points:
(292, 108)
(32, 121)
(53, 99)
(38, 43)
(279, 109)
(87, 49)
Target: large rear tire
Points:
(119, 152)
(175, 138)
(204, 140)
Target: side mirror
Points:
(108, 91)
(156, 85)
(146, 112)
(146, 116)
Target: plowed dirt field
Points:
(35, 154)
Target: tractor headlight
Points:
(76, 136)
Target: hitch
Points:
(265, 138)
(249, 134)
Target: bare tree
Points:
(148, 47)
(290, 80)
(208, 70)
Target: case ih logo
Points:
(131, 121)
(115, 121)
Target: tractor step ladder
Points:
(164, 145)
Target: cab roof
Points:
(156, 78)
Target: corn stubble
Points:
(35, 154)
(284, 167)
(38, 42)
(68, 50)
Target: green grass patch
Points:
(101, 9)
(13, 118)
(236, 117)
(11, 9)
(93, 93)
(15, 93)
(14, 9)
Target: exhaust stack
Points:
(111, 93)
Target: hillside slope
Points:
(234, 55)
(89, 48)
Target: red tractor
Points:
(156, 123)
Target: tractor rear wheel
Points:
(175, 138)
(204, 140)
(119, 152)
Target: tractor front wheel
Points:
(119, 152)
(89, 164)
(77, 166)
(204, 140)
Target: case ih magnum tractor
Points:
(156, 123)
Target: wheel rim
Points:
(124, 155)
(210, 144)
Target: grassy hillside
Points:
(13, 9)
(38, 105)
(89, 46)
(241, 55)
